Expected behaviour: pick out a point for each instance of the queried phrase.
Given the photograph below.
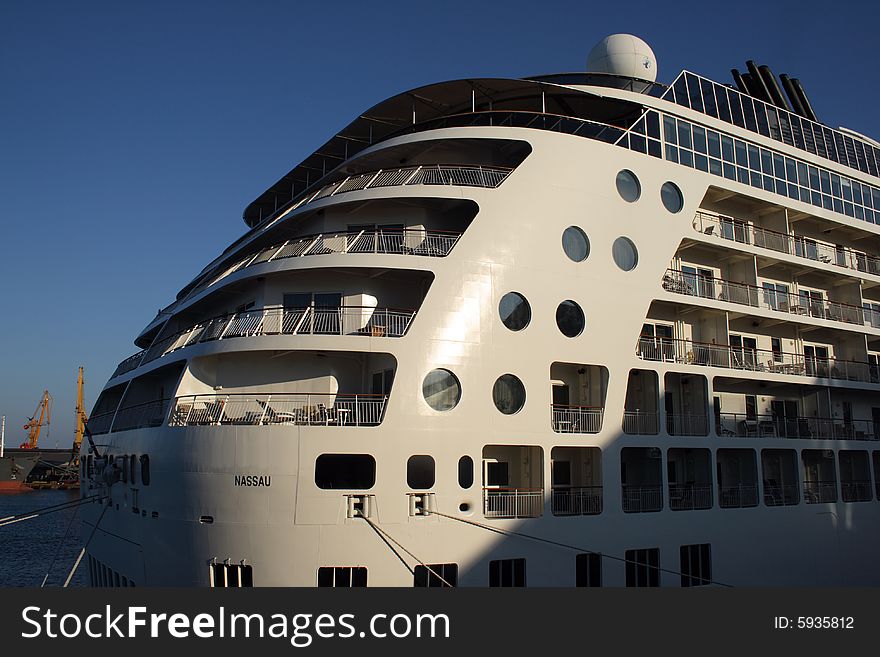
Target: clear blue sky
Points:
(135, 133)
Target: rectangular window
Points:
(696, 565)
(643, 567)
(436, 575)
(507, 572)
(588, 569)
(342, 577)
(751, 408)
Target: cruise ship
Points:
(581, 329)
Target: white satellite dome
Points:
(623, 54)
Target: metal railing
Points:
(275, 320)
(576, 419)
(737, 496)
(638, 499)
(100, 423)
(513, 502)
(419, 242)
(856, 491)
(687, 497)
(697, 285)
(780, 494)
(140, 416)
(576, 500)
(690, 352)
(743, 232)
(305, 409)
(772, 426)
(820, 492)
(640, 423)
(687, 424)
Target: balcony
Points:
(771, 426)
(855, 491)
(820, 492)
(275, 320)
(513, 502)
(745, 294)
(414, 242)
(289, 409)
(639, 499)
(576, 419)
(738, 496)
(690, 352)
(688, 497)
(576, 501)
(640, 423)
(686, 424)
(743, 232)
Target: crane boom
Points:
(81, 417)
(34, 426)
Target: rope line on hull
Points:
(414, 557)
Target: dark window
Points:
(420, 472)
(696, 565)
(588, 569)
(125, 465)
(232, 576)
(643, 567)
(145, 469)
(507, 572)
(334, 471)
(509, 394)
(133, 469)
(570, 318)
(436, 575)
(345, 577)
(465, 472)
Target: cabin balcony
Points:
(748, 425)
(512, 481)
(751, 359)
(513, 502)
(765, 298)
(578, 392)
(743, 232)
(301, 409)
(641, 479)
(576, 419)
(577, 501)
(576, 481)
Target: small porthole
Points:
(628, 186)
(624, 253)
(464, 507)
(509, 394)
(575, 243)
(515, 311)
(465, 472)
(671, 196)
(441, 390)
(570, 318)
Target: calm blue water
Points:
(27, 548)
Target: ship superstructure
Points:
(639, 320)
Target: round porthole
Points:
(515, 311)
(624, 253)
(575, 244)
(441, 390)
(628, 186)
(509, 394)
(671, 196)
(570, 318)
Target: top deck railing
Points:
(737, 230)
(707, 287)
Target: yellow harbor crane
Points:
(81, 418)
(34, 424)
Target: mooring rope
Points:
(414, 557)
(63, 506)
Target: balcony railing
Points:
(804, 247)
(697, 285)
(513, 502)
(576, 419)
(855, 491)
(294, 409)
(780, 494)
(417, 242)
(738, 496)
(640, 423)
(687, 424)
(772, 426)
(820, 492)
(577, 500)
(345, 320)
(737, 357)
(137, 416)
(639, 499)
(687, 497)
